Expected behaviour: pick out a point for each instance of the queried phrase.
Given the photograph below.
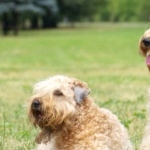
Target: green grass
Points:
(105, 56)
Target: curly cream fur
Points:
(68, 124)
(146, 139)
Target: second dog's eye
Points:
(58, 93)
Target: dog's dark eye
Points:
(58, 93)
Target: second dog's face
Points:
(145, 43)
(144, 46)
(54, 100)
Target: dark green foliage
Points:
(80, 9)
(15, 13)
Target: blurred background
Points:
(18, 15)
(93, 40)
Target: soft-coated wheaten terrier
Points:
(144, 46)
(70, 120)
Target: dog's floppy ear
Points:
(80, 93)
(81, 90)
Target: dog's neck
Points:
(78, 124)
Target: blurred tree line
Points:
(16, 14)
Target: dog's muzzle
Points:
(36, 105)
(146, 42)
(36, 108)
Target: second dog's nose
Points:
(146, 41)
(36, 104)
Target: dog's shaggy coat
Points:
(70, 120)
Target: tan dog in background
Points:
(144, 46)
(70, 120)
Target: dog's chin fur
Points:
(70, 120)
(63, 125)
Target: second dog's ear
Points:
(80, 93)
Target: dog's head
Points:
(144, 46)
(54, 101)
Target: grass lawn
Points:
(105, 56)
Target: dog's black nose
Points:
(36, 104)
(146, 41)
